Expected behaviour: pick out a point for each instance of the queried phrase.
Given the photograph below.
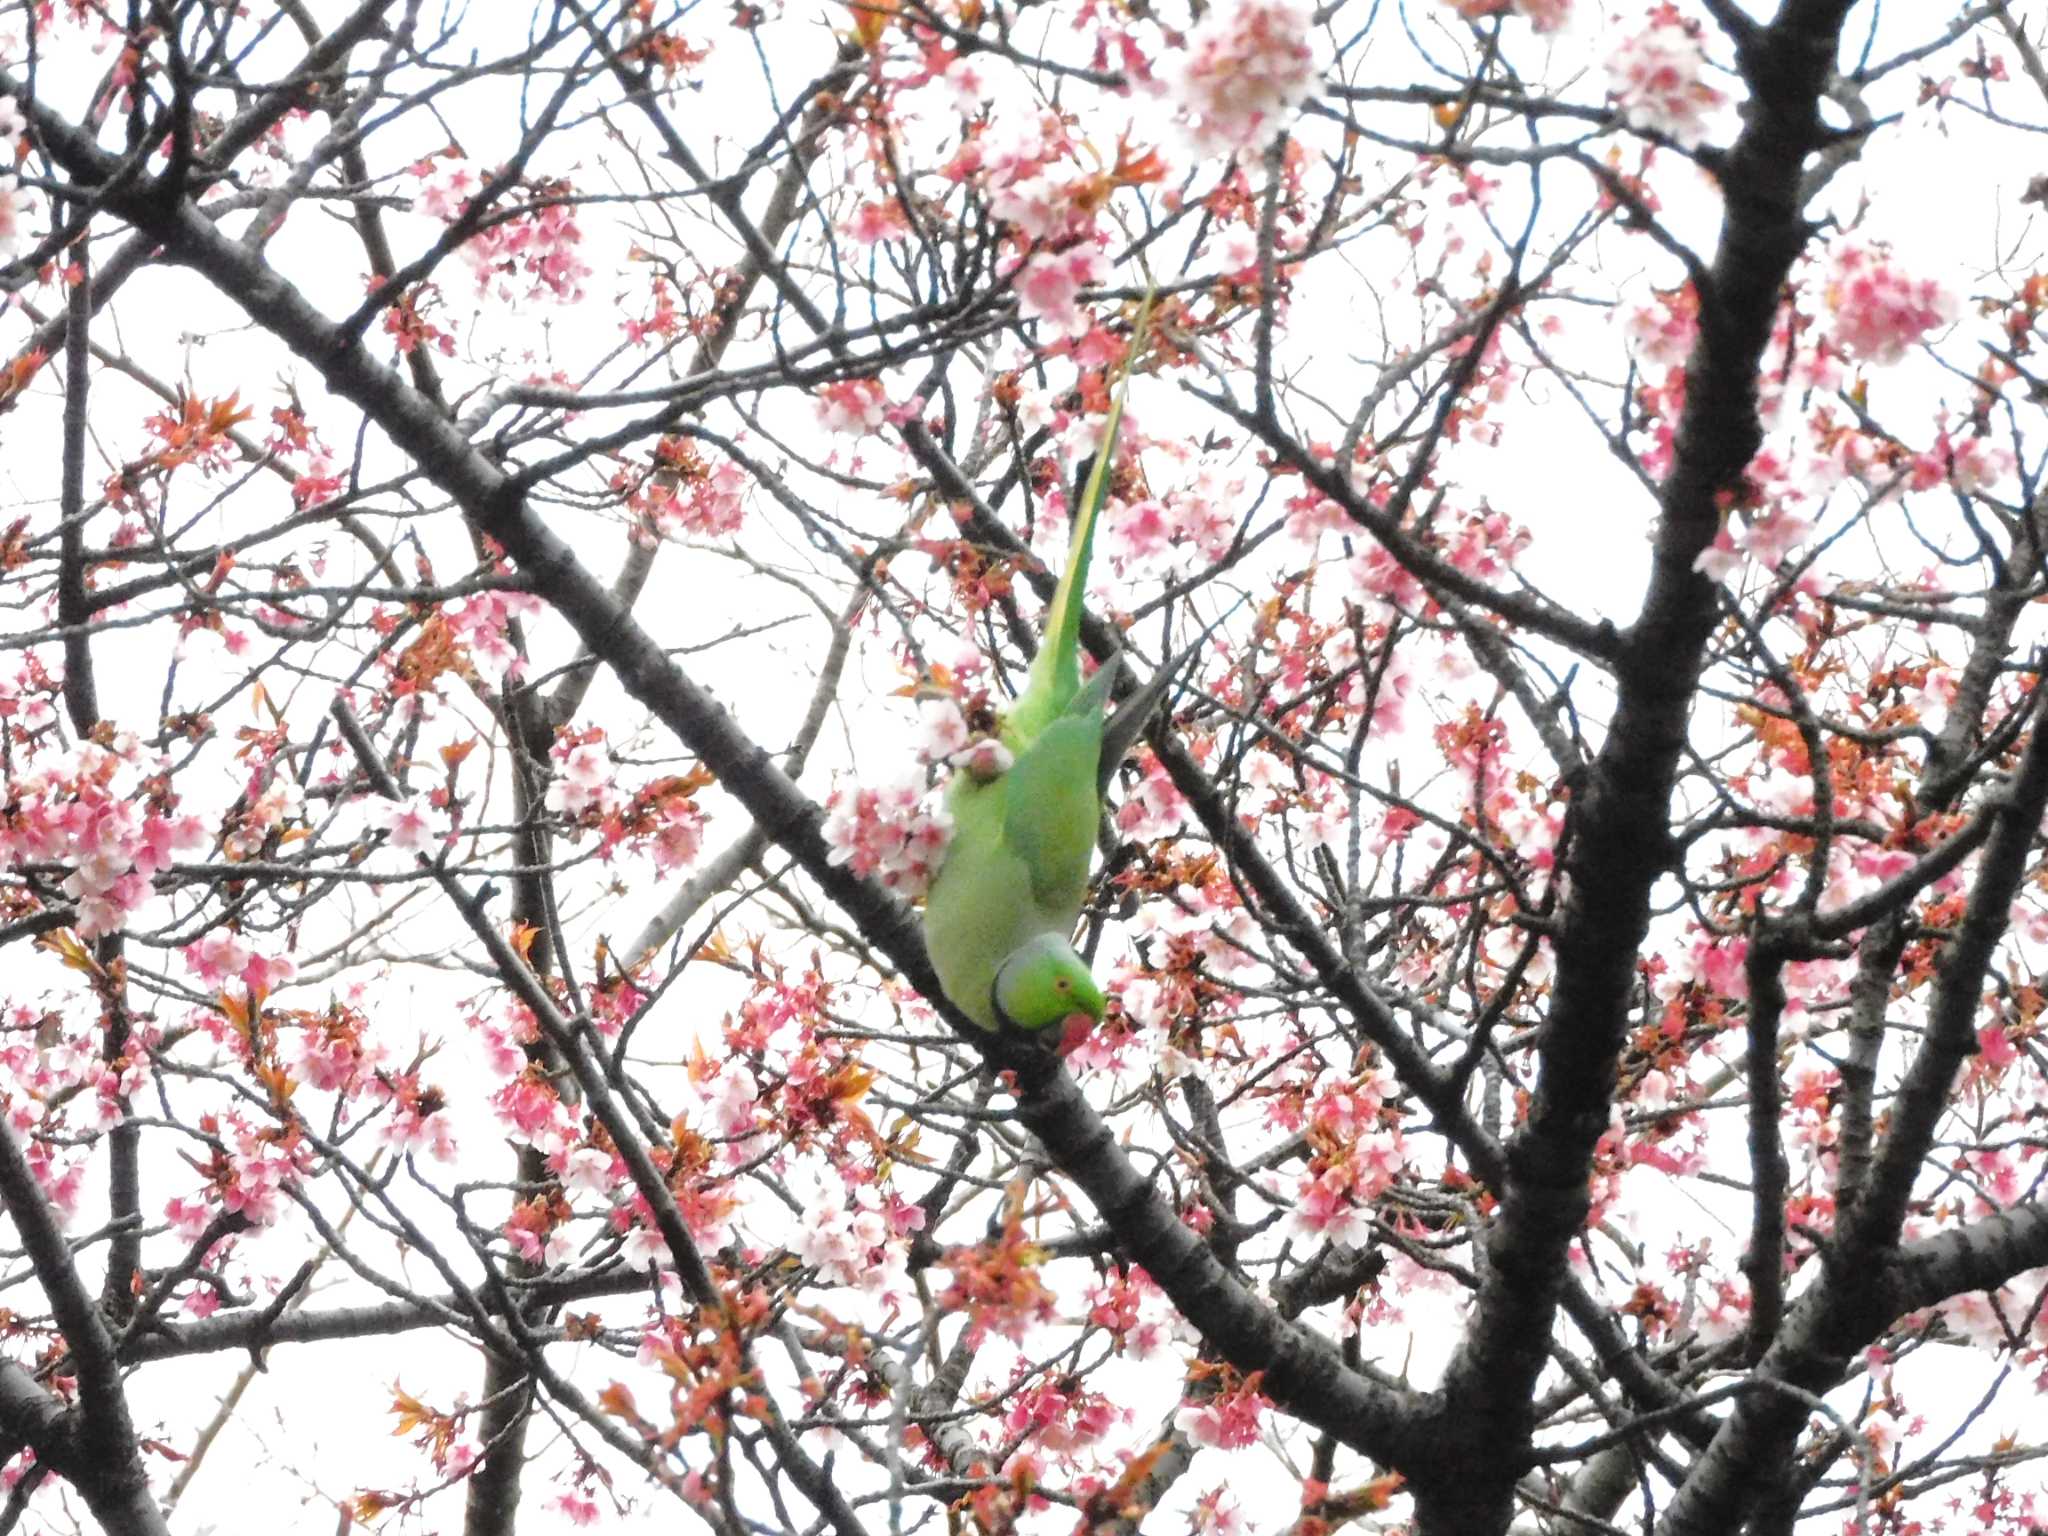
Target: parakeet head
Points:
(1043, 982)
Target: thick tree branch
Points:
(1620, 842)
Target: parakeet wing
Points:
(979, 908)
(1049, 821)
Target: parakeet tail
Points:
(1059, 656)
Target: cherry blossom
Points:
(542, 242)
(1248, 67)
(1877, 310)
(689, 455)
(942, 730)
(584, 779)
(1542, 15)
(483, 624)
(1230, 1418)
(577, 1507)
(852, 406)
(1661, 332)
(1768, 538)
(11, 211)
(408, 824)
(887, 833)
(877, 220)
(1655, 75)
(1049, 285)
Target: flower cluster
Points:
(1049, 285)
(1878, 311)
(1766, 537)
(1654, 74)
(12, 126)
(1248, 68)
(90, 809)
(1542, 15)
(1660, 331)
(584, 779)
(251, 1170)
(887, 834)
(482, 622)
(221, 956)
(540, 241)
(853, 407)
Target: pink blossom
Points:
(1049, 285)
(328, 1059)
(1720, 559)
(217, 955)
(1654, 76)
(679, 838)
(583, 779)
(732, 1098)
(886, 834)
(409, 1131)
(1154, 808)
(1878, 310)
(1995, 1047)
(966, 83)
(1235, 251)
(1661, 332)
(62, 1181)
(1227, 1421)
(852, 406)
(1542, 15)
(1216, 1513)
(1060, 1417)
(501, 1048)
(1042, 207)
(320, 484)
(542, 242)
(10, 216)
(463, 1453)
(942, 730)
(578, 1506)
(1248, 68)
(483, 623)
(587, 1171)
(1324, 1208)
(1767, 538)
(1139, 530)
(1722, 1314)
(1312, 514)
(851, 1247)
(266, 973)
(1975, 464)
(1773, 537)
(531, 1110)
(875, 221)
(1381, 576)
(407, 823)
(260, 1171)
(1998, 1173)
(444, 194)
(187, 1217)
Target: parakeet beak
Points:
(1074, 1028)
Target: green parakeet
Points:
(999, 918)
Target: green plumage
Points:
(999, 919)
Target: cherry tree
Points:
(514, 511)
